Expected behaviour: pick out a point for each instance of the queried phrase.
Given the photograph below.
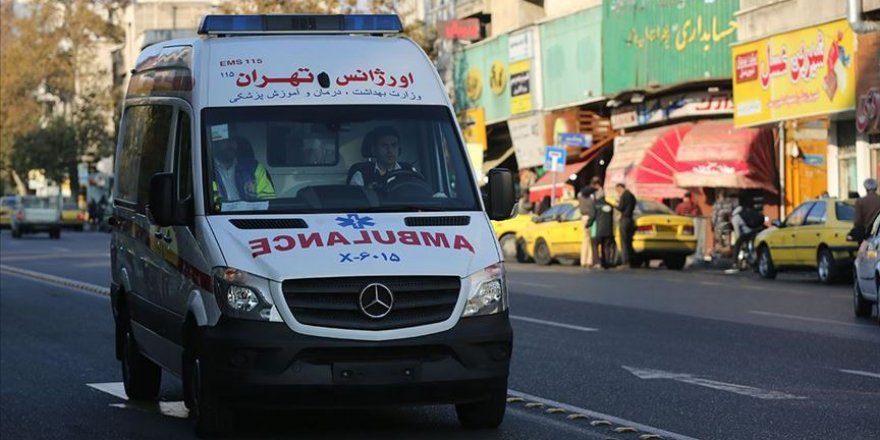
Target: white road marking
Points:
(56, 280)
(117, 389)
(861, 373)
(805, 318)
(646, 373)
(598, 415)
(554, 324)
(54, 256)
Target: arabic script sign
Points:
(672, 108)
(801, 73)
(665, 42)
(868, 88)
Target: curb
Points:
(60, 281)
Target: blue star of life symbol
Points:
(355, 221)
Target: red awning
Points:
(544, 185)
(645, 162)
(716, 155)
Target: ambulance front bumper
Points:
(265, 364)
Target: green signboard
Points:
(665, 42)
(571, 59)
(481, 78)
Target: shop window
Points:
(847, 171)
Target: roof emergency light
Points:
(300, 24)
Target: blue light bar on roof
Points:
(300, 24)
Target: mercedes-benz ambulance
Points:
(296, 223)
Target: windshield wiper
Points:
(400, 208)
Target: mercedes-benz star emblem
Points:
(376, 300)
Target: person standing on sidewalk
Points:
(626, 204)
(866, 209)
(604, 218)
(586, 205)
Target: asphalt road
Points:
(682, 354)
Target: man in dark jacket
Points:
(627, 206)
(604, 218)
(866, 208)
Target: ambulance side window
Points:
(144, 146)
(184, 157)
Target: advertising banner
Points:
(868, 86)
(663, 42)
(795, 74)
(527, 134)
(571, 58)
(520, 87)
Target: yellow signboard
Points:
(497, 78)
(474, 84)
(520, 87)
(473, 127)
(796, 74)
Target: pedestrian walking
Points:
(586, 204)
(688, 207)
(626, 204)
(722, 212)
(93, 211)
(866, 209)
(604, 219)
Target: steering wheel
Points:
(406, 183)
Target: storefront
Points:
(803, 81)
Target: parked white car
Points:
(866, 278)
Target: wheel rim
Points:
(824, 267)
(542, 252)
(508, 246)
(763, 264)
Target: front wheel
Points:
(826, 267)
(140, 376)
(209, 415)
(861, 306)
(766, 269)
(487, 414)
(508, 247)
(542, 253)
(55, 234)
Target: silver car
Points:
(866, 278)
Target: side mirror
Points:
(501, 198)
(777, 223)
(163, 206)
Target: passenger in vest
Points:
(237, 174)
(381, 147)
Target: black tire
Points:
(765, 266)
(140, 375)
(55, 234)
(636, 261)
(542, 253)
(210, 417)
(826, 268)
(509, 247)
(675, 262)
(521, 255)
(487, 414)
(16, 233)
(861, 307)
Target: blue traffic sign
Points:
(575, 139)
(554, 158)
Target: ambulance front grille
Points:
(333, 302)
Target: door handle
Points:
(158, 235)
(167, 238)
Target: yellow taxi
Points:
(507, 232)
(812, 237)
(73, 215)
(660, 234)
(7, 205)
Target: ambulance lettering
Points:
(283, 243)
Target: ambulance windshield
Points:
(304, 159)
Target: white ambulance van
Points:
(296, 223)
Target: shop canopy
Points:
(544, 185)
(645, 162)
(716, 155)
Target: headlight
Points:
(241, 294)
(488, 292)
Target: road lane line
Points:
(53, 256)
(601, 416)
(117, 389)
(554, 324)
(861, 373)
(745, 390)
(52, 279)
(805, 318)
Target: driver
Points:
(382, 148)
